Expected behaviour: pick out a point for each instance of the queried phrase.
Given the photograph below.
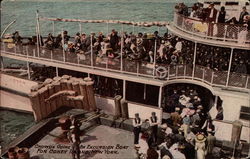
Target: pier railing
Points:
(216, 31)
(130, 67)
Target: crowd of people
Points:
(210, 15)
(170, 50)
(187, 134)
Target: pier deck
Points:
(99, 142)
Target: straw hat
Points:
(200, 107)
(200, 138)
(181, 146)
(165, 157)
(164, 126)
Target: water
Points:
(14, 124)
(138, 10)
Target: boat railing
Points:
(130, 67)
(237, 33)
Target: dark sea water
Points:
(13, 124)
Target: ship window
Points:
(142, 93)
(245, 113)
(107, 87)
(232, 3)
(215, 3)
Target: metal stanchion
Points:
(194, 62)
(230, 65)
(91, 47)
(64, 58)
(154, 65)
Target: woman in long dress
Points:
(200, 146)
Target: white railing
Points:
(217, 31)
(136, 68)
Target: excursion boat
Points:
(144, 86)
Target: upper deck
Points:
(224, 35)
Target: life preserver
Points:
(161, 72)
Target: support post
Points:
(122, 29)
(64, 58)
(194, 62)
(53, 25)
(38, 29)
(107, 29)
(51, 55)
(154, 58)
(78, 60)
(168, 72)
(57, 74)
(160, 96)
(176, 71)
(212, 78)
(247, 82)
(122, 43)
(203, 74)
(144, 91)
(107, 60)
(124, 89)
(80, 28)
(91, 47)
(215, 101)
(1, 61)
(137, 68)
(230, 65)
(185, 70)
(28, 69)
(27, 51)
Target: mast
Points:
(38, 33)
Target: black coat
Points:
(189, 151)
(221, 17)
(242, 14)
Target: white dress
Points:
(200, 150)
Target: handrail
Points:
(207, 22)
(225, 32)
(201, 73)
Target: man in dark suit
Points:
(242, 14)
(137, 128)
(211, 18)
(154, 126)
